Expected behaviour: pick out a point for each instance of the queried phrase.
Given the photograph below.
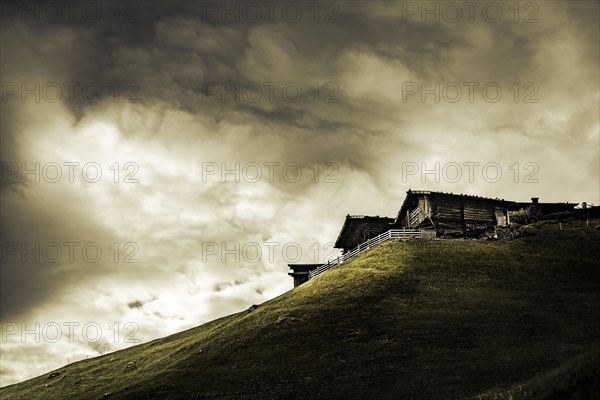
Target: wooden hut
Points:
(300, 272)
(358, 229)
(452, 214)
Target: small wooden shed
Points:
(300, 272)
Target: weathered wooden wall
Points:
(462, 214)
(454, 215)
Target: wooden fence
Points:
(391, 234)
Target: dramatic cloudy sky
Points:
(172, 126)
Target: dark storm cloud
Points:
(135, 304)
(172, 53)
(174, 48)
(29, 279)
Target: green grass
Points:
(422, 319)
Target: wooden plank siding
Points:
(452, 214)
(415, 218)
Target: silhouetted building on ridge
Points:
(535, 207)
(446, 214)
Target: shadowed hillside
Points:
(423, 319)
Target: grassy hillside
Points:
(437, 319)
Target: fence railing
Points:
(391, 234)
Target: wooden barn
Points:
(452, 214)
(358, 229)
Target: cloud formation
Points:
(188, 100)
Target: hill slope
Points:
(422, 319)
